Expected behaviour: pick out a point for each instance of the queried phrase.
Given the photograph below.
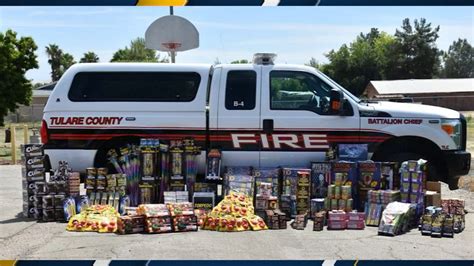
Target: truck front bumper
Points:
(457, 162)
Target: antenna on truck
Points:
(264, 58)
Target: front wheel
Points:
(435, 169)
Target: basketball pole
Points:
(172, 53)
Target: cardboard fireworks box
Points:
(345, 174)
(131, 224)
(303, 192)
(390, 176)
(369, 178)
(269, 175)
(204, 200)
(320, 179)
(240, 183)
(32, 150)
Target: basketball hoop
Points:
(171, 46)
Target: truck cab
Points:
(261, 114)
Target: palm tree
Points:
(54, 59)
(89, 57)
(67, 61)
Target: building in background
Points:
(33, 112)
(457, 94)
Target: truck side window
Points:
(294, 90)
(241, 90)
(134, 87)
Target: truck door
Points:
(295, 119)
(238, 118)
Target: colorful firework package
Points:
(234, 213)
(369, 179)
(177, 182)
(303, 192)
(239, 179)
(320, 179)
(213, 170)
(412, 184)
(131, 224)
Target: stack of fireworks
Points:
(455, 208)
(264, 199)
(32, 171)
(343, 192)
(289, 196)
(131, 224)
(275, 219)
(397, 218)
(239, 179)
(268, 175)
(339, 197)
(175, 196)
(183, 217)
(377, 200)
(337, 220)
(319, 221)
(434, 222)
(340, 220)
(73, 184)
(413, 179)
(157, 218)
(127, 162)
(234, 213)
(96, 218)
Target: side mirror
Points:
(336, 101)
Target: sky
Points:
(228, 33)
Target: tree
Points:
(459, 60)
(89, 57)
(417, 45)
(55, 56)
(67, 60)
(241, 61)
(17, 56)
(137, 52)
(314, 63)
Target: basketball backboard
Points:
(172, 34)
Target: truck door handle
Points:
(268, 126)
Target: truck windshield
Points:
(352, 96)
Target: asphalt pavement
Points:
(22, 238)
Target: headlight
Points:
(453, 128)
